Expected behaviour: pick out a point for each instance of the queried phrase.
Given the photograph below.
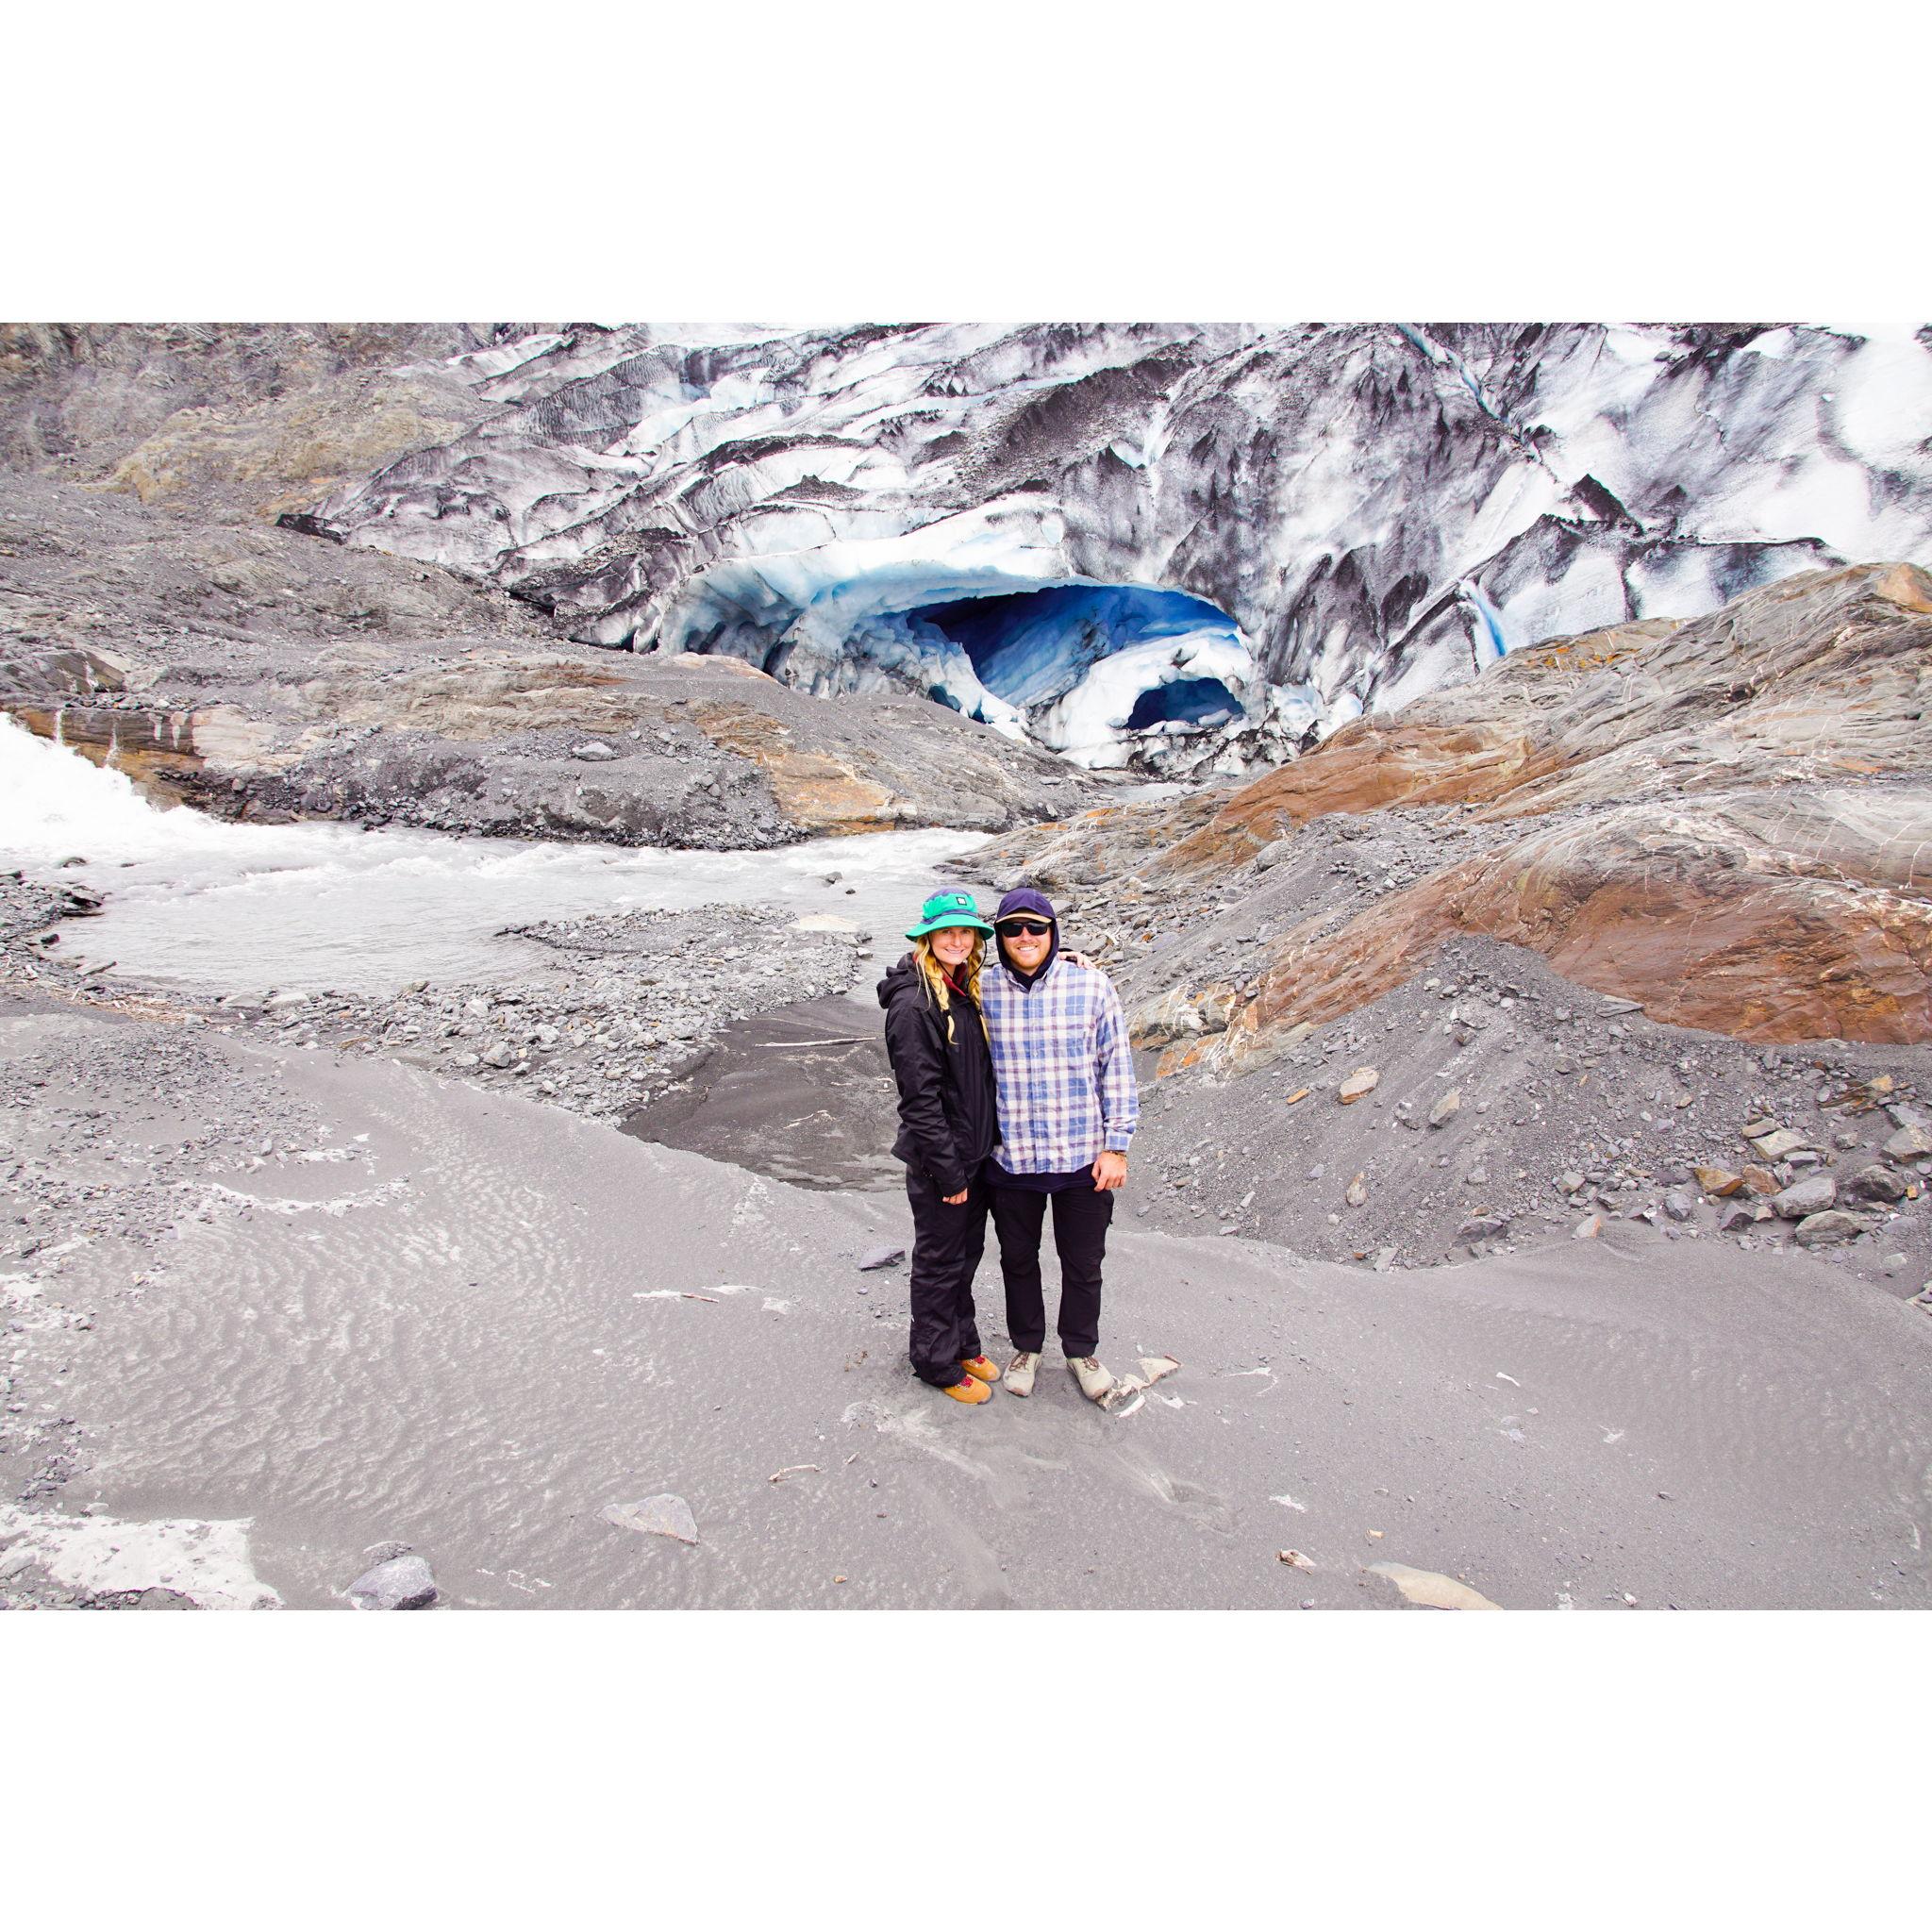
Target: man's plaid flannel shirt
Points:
(1062, 1065)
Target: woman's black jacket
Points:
(948, 1120)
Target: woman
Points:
(948, 1124)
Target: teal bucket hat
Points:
(948, 908)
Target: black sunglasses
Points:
(1033, 928)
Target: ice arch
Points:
(1184, 701)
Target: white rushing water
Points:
(195, 902)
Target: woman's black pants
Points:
(1080, 1218)
(947, 1244)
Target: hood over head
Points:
(1025, 899)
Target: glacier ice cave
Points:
(1110, 675)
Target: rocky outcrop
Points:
(1816, 679)
(259, 673)
(247, 420)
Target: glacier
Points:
(1177, 547)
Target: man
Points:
(1064, 1076)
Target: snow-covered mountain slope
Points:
(1176, 545)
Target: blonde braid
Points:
(934, 974)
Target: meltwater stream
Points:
(197, 903)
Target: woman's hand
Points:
(958, 1200)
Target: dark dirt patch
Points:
(804, 1094)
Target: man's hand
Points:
(1110, 1170)
(958, 1200)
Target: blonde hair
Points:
(934, 974)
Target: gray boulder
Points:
(1812, 1195)
(1824, 1230)
(404, 1583)
(1875, 1184)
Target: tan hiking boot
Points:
(1094, 1381)
(1020, 1372)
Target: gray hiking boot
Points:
(1094, 1380)
(1019, 1375)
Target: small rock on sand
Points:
(403, 1583)
(1909, 1144)
(880, 1257)
(1717, 1180)
(1431, 1591)
(1445, 1109)
(1358, 1085)
(656, 1516)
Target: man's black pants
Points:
(1080, 1218)
(947, 1244)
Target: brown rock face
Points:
(1699, 916)
(815, 789)
(1371, 763)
